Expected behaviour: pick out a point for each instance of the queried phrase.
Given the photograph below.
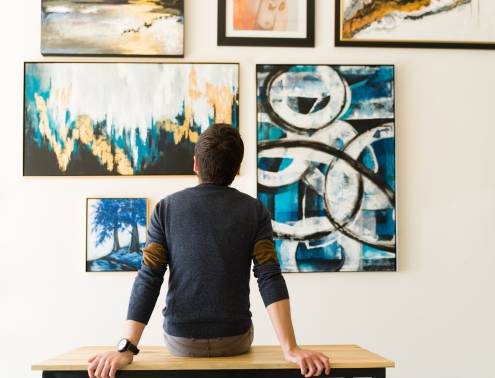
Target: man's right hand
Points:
(105, 365)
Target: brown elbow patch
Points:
(154, 255)
(264, 252)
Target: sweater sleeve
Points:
(149, 278)
(266, 267)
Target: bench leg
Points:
(358, 373)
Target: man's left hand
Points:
(310, 362)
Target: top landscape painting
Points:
(112, 27)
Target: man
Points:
(208, 236)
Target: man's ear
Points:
(195, 166)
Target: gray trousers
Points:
(215, 347)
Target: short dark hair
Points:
(219, 154)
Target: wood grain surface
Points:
(261, 357)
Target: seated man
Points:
(208, 235)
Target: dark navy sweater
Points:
(208, 236)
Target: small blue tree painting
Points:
(116, 232)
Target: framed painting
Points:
(112, 27)
(115, 233)
(266, 23)
(326, 165)
(122, 119)
(466, 24)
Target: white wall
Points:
(435, 317)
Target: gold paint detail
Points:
(264, 252)
(155, 255)
(84, 133)
(221, 98)
(377, 10)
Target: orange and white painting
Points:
(266, 18)
(264, 15)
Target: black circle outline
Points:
(357, 166)
(278, 120)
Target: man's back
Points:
(207, 235)
(210, 231)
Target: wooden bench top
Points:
(261, 357)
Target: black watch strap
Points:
(132, 348)
(125, 345)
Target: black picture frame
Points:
(282, 66)
(341, 42)
(224, 40)
(111, 55)
(25, 170)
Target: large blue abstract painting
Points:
(326, 165)
(103, 119)
(115, 233)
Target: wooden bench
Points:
(263, 362)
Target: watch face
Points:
(122, 345)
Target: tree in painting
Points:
(133, 214)
(114, 243)
(113, 216)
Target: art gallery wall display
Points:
(122, 119)
(115, 233)
(416, 23)
(266, 23)
(326, 165)
(112, 28)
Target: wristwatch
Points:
(125, 345)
